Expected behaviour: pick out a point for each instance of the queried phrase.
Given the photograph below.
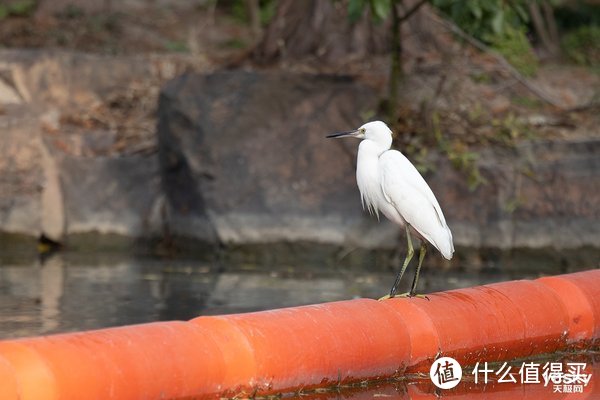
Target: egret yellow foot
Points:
(407, 294)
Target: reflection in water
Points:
(85, 291)
(51, 280)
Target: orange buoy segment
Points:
(323, 344)
(235, 349)
(33, 378)
(8, 381)
(159, 360)
(579, 310)
(424, 337)
(589, 283)
(305, 347)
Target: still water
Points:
(71, 291)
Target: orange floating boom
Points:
(303, 347)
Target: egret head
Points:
(377, 131)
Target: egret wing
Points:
(405, 188)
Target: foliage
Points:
(501, 24)
(571, 15)
(515, 47)
(176, 46)
(532, 103)
(582, 45)
(20, 8)
(485, 19)
(379, 8)
(510, 129)
(238, 9)
(459, 155)
(235, 43)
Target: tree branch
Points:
(411, 11)
(482, 47)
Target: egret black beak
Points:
(353, 133)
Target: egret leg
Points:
(413, 288)
(409, 256)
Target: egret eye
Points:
(362, 130)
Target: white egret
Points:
(388, 182)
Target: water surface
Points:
(78, 291)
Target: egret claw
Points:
(421, 296)
(409, 294)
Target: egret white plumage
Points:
(389, 183)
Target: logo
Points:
(445, 372)
(569, 377)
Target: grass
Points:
(21, 8)
(582, 45)
(517, 50)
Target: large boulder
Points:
(46, 189)
(77, 144)
(245, 160)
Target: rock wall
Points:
(243, 154)
(540, 194)
(241, 157)
(65, 167)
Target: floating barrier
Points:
(306, 347)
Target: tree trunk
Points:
(551, 23)
(320, 29)
(395, 65)
(545, 27)
(253, 9)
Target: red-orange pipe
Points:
(305, 347)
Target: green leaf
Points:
(521, 12)
(380, 9)
(355, 9)
(498, 22)
(22, 7)
(476, 10)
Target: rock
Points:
(62, 174)
(241, 158)
(46, 190)
(8, 94)
(245, 160)
(540, 194)
(21, 172)
(53, 218)
(111, 195)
